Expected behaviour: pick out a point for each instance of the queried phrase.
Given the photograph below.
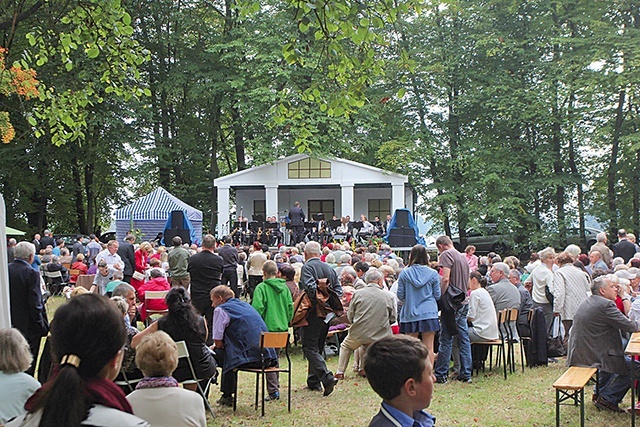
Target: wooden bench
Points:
(571, 386)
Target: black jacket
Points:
(27, 310)
(296, 215)
(128, 256)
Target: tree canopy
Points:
(520, 113)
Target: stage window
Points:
(379, 208)
(260, 208)
(309, 169)
(325, 207)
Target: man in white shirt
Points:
(110, 256)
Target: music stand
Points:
(357, 225)
(272, 225)
(255, 225)
(333, 223)
(240, 225)
(318, 217)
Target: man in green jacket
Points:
(272, 300)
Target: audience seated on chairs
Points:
(157, 283)
(15, 385)
(157, 358)
(183, 323)
(80, 266)
(482, 313)
(236, 336)
(595, 342)
(65, 256)
(87, 338)
(56, 282)
(127, 292)
(128, 359)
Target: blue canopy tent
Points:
(403, 219)
(151, 214)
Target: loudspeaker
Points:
(177, 219)
(402, 237)
(170, 233)
(402, 218)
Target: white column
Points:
(397, 197)
(223, 211)
(346, 195)
(5, 307)
(271, 200)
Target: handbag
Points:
(555, 340)
(137, 275)
(456, 295)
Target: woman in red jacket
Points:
(157, 282)
(141, 264)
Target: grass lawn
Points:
(524, 399)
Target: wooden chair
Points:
(512, 338)
(154, 295)
(277, 341)
(183, 352)
(85, 280)
(73, 275)
(500, 343)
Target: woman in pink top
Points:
(472, 260)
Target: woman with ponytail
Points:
(183, 323)
(86, 339)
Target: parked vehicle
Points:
(585, 242)
(486, 239)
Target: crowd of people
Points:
(221, 296)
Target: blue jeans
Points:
(446, 342)
(613, 387)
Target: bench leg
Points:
(582, 407)
(557, 408)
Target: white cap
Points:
(625, 274)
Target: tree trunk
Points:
(612, 173)
(238, 138)
(79, 202)
(572, 163)
(214, 170)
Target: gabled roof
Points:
(342, 171)
(156, 206)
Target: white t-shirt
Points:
(482, 314)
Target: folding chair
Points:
(154, 295)
(183, 352)
(275, 340)
(500, 343)
(54, 280)
(126, 382)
